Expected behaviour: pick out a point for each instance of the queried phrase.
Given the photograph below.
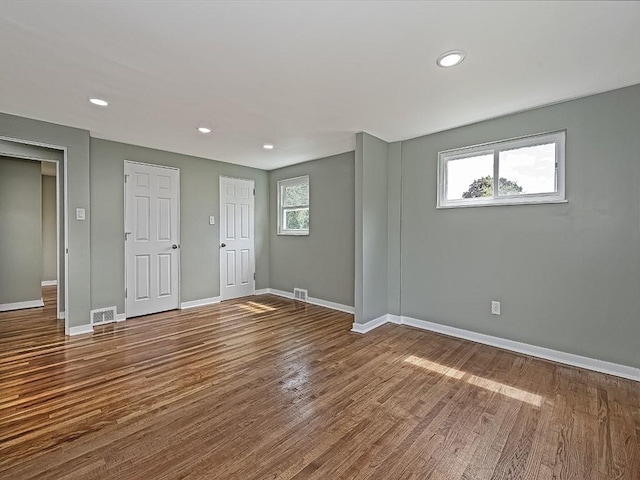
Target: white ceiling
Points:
(305, 76)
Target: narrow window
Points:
(293, 206)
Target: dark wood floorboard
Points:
(267, 388)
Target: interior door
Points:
(237, 250)
(152, 243)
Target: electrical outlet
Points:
(495, 307)
(212, 220)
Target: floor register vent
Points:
(103, 315)
(300, 294)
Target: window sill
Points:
(293, 234)
(503, 204)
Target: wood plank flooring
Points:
(266, 388)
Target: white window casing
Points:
(551, 178)
(285, 208)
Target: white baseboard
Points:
(624, 371)
(199, 303)
(370, 325)
(397, 319)
(7, 307)
(121, 317)
(80, 330)
(61, 315)
(311, 300)
(49, 283)
(332, 305)
(261, 291)
(280, 293)
(601, 366)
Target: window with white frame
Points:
(293, 206)
(529, 170)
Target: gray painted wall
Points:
(394, 192)
(76, 143)
(49, 260)
(199, 192)
(21, 230)
(371, 227)
(323, 261)
(568, 275)
(358, 263)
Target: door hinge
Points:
(254, 192)
(126, 293)
(254, 275)
(126, 178)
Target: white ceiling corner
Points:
(305, 76)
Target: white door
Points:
(237, 251)
(152, 243)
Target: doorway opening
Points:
(33, 262)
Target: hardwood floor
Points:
(264, 387)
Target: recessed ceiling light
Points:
(450, 59)
(99, 102)
(267, 146)
(204, 130)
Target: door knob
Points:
(223, 245)
(174, 246)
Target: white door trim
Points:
(58, 294)
(60, 313)
(126, 249)
(253, 240)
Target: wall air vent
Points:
(300, 294)
(103, 315)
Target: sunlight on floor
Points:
(502, 389)
(255, 307)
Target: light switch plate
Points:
(212, 220)
(80, 214)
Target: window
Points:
(528, 169)
(293, 206)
